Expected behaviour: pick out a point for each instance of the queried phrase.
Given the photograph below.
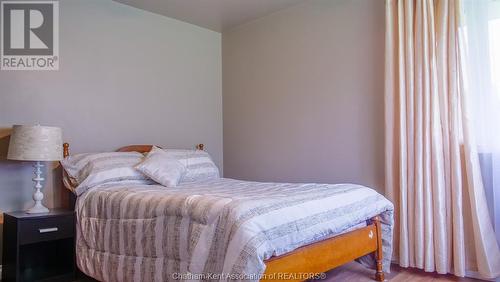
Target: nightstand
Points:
(39, 247)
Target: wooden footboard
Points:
(325, 255)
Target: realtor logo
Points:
(29, 35)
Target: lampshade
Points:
(35, 143)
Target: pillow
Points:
(162, 167)
(89, 170)
(69, 182)
(198, 163)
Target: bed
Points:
(226, 229)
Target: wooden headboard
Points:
(130, 148)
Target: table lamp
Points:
(36, 143)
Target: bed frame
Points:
(305, 262)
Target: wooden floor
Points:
(357, 273)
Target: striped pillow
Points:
(89, 170)
(198, 163)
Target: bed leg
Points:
(379, 274)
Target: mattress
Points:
(220, 229)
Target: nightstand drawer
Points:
(45, 229)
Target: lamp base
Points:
(38, 208)
(38, 195)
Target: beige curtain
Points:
(432, 171)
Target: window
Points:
(494, 38)
(480, 47)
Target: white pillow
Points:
(89, 170)
(162, 168)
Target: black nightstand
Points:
(39, 247)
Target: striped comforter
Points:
(220, 226)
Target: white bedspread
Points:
(222, 226)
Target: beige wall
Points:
(126, 77)
(303, 94)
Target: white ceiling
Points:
(217, 15)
